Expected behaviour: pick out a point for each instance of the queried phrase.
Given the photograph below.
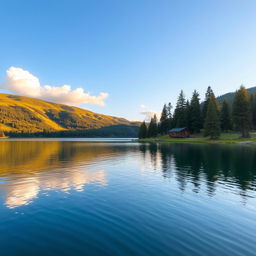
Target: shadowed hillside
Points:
(20, 114)
(230, 95)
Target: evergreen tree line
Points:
(113, 131)
(207, 116)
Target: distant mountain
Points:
(230, 96)
(19, 114)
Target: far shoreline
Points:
(225, 138)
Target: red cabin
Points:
(179, 132)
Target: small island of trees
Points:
(208, 116)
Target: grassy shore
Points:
(227, 138)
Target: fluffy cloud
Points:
(149, 114)
(24, 83)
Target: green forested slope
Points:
(230, 96)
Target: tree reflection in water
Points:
(210, 164)
(28, 167)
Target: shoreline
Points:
(224, 139)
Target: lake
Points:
(117, 197)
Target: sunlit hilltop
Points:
(31, 115)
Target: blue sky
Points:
(139, 52)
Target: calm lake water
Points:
(124, 198)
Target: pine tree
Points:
(253, 110)
(195, 113)
(169, 110)
(143, 131)
(180, 111)
(152, 128)
(164, 114)
(241, 112)
(155, 131)
(225, 119)
(164, 122)
(208, 95)
(251, 99)
(169, 115)
(159, 128)
(212, 123)
(187, 115)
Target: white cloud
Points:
(142, 106)
(149, 114)
(24, 83)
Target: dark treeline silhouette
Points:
(114, 131)
(207, 116)
(201, 164)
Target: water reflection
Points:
(116, 198)
(197, 164)
(20, 191)
(29, 156)
(28, 167)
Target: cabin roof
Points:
(178, 129)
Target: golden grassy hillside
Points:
(30, 115)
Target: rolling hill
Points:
(19, 114)
(230, 96)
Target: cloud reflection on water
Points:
(21, 191)
(29, 167)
